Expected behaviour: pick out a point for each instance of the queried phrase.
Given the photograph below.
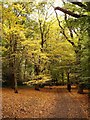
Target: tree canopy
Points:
(39, 44)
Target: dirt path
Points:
(46, 103)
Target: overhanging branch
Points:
(69, 12)
(80, 5)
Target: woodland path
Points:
(46, 103)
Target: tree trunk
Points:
(78, 60)
(68, 79)
(11, 74)
(68, 82)
(62, 77)
(37, 87)
(15, 65)
(37, 70)
(12, 83)
(80, 89)
(16, 90)
(25, 69)
(15, 78)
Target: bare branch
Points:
(69, 27)
(75, 32)
(63, 32)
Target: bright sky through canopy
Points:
(57, 2)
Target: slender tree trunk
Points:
(37, 70)
(78, 72)
(15, 65)
(68, 82)
(16, 89)
(11, 74)
(78, 65)
(80, 88)
(25, 69)
(62, 77)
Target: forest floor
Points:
(46, 103)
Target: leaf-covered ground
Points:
(46, 103)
